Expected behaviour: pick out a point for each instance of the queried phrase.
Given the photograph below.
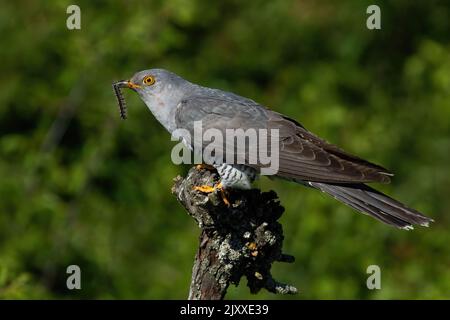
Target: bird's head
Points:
(161, 91)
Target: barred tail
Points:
(374, 203)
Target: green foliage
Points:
(92, 190)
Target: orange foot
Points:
(204, 166)
(219, 187)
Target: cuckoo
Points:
(303, 157)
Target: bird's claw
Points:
(218, 187)
(204, 166)
(205, 189)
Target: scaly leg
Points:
(204, 166)
(218, 187)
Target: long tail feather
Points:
(374, 203)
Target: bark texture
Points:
(243, 239)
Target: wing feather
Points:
(302, 155)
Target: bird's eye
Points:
(148, 80)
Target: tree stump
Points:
(243, 239)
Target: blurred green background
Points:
(80, 186)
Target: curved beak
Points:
(132, 85)
(127, 84)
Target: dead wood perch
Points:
(241, 240)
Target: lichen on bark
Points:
(243, 239)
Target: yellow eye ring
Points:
(148, 80)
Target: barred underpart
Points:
(236, 176)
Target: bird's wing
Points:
(305, 156)
(302, 155)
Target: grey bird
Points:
(303, 157)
